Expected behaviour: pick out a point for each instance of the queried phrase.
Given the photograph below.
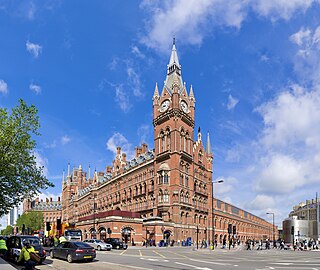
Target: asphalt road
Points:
(188, 258)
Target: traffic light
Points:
(23, 228)
(58, 224)
(48, 226)
(109, 231)
(292, 230)
(234, 230)
(229, 228)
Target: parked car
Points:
(98, 244)
(73, 251)
(16, 243)
(116, 243)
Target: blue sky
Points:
(91, 67)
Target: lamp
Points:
(213, 227)
(269, 213)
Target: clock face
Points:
(164, 106)
(184, 106)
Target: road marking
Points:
(123, 251)
(183, 256)
(154, 260)
(217, 263)
(159, 254)
(140, 252)
(127, 266)
(194, 266)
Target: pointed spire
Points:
(191, 92)
(68, 169)
(208, 148)
(199, 134)
(156, 91)
(174, 56)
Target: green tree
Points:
(20, 177)
(32, 220)
(7, 231)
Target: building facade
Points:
(303, 222)
(161, 194)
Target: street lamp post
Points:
(213, 227)
(273, 233)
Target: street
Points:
(189, 258)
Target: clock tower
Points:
(183, 168)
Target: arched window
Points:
(160, 196)
(181, 179)
(166, 196)
(168, 139)
(166, 178)
(181, 196)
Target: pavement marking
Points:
(123, 251)
(183, 256)
(217, 263)
(140, 252)
(194, 266)
(154, 260)
(127, 266)
(159, 254)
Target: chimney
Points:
(136, 151)
(41, 200)
(50, 199)
(124, 157)
(58, 199)
(37, 200)
(47, 200)
(108, 169)
(100, 173)
(118, 150)
(144, 148)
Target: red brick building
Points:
(164, 193)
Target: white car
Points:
(98, 244)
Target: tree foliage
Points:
(32, 220)
(20, 176)
(7, 231)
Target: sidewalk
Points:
(5, 265)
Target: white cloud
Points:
(307, 60)
(50, 145)
(293, 117)
(47, 195)
(136, 51)
(42, 162)
(134, 81)
(118, 140)
(144, 132)
(261, 202)
(232, 102)
(35, 88)
(122, 98)
(301, 36)
(192, 20)
(3, 87)
(282, 174)
(34, 49)
(280, 9)
(227, 186)
(65, 139)
(290, 141)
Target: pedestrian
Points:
(259, 245)
(3, 248)
(25, 255)
(55, 240)
(62, 239)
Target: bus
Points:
(72, 234)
